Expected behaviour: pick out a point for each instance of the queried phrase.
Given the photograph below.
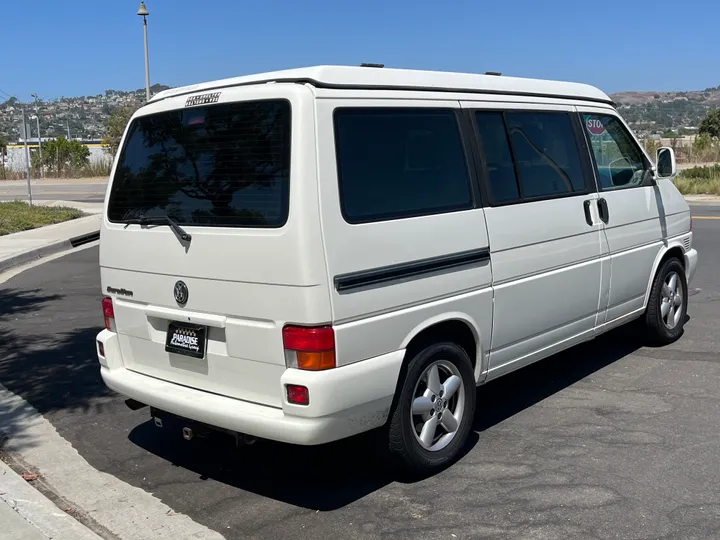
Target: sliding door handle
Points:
(603, 209)
(588, 216)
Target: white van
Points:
(310, 254)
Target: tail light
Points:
(298, 395)
(108, 313)
(311, 349)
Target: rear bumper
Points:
(691, 259)
(343, 402)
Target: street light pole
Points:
(37, 118)
(143, 12)
(24, 132)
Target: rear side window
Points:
(224, 165)
(530, 155)
(395, 163)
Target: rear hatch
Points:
(208, 313)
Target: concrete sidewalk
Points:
(91, 208)
(26, 514)
(703, 200)
(27, 246)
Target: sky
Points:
(70, 48)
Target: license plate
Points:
(186, 339)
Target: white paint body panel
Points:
(377, 320)
(641, 220)
(540, 250)
(345, 401)
(552, 281)
(245, 284)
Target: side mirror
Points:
(666, 165)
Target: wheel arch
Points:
(675, 249)
(455, 326)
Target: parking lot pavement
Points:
(607, 440)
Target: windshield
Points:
(225, 165)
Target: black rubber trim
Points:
(85, 239)
(415, 269)
(331, 86)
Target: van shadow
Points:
(52, 372)
(507, 396)
(334, 475)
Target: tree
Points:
(116, 124)
(711, 124)
(652, 146)
(61, 154)
(702, 143)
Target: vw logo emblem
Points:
(181, 293)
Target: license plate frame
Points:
(179, 339)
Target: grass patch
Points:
(699, 181)
(17, 216)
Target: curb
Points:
(47, 250)
(38, 512)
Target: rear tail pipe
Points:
(134, 405)
(243, 439)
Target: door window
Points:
(546, 154)
(530, 155)
(619, 162)
(498, 158)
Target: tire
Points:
(404, 435)
(661, 326)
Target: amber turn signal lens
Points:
(316, 361)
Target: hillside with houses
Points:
(657, 113)
(83, 117)
(652, 115)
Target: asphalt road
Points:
(55, 190)
(607, 440)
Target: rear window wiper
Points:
(160, 220)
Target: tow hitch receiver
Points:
(192, 429)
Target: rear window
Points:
(224, 165)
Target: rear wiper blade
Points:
(161, 220)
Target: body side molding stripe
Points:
(415, 269)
